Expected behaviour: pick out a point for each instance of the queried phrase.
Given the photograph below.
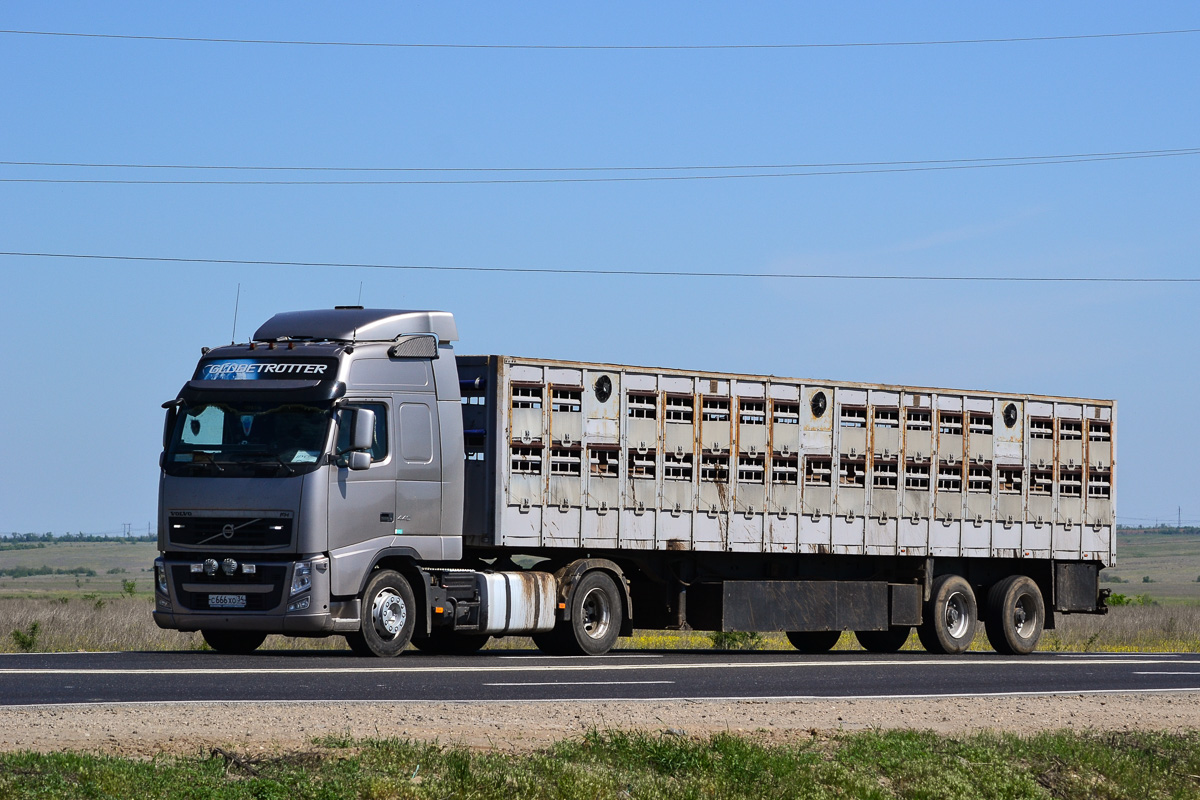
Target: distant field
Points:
(134, 561)
(1170, 560)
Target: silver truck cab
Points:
(294, 464)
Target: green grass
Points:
(873, 764)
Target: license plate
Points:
(227, 601)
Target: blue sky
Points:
(94, 347)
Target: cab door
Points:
(362, 503)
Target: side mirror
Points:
(358, 460)
(362, 430)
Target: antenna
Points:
(360, 283)
(236, 301)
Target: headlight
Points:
(160, 576)
(302, 577)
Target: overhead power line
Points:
(619, 272)
(465, 46)
(932, 167)
(671, 168)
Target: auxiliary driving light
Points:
(210, 567)
(229, 566)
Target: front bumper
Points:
(185, 606)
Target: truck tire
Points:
(233, 641)
(447, 643)
(814, 641)
(389, 615)
(1015, 616)
(596, 617)
(950, 616)
(889, 641)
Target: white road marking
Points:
(580, 683)
(588, 667)
(606, 655)
(1166, 672)
(799, 698)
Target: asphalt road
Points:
(37, 679)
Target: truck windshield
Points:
(243, 439)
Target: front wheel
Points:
(950, 616)
(388, 616)
(240, 642)
(1015, 616)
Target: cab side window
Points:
(379, 449)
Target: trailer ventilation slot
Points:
(1010, 480)
(887, 418)
(527, 460)
(916, 476)
(818, 471)
(714, 468)
(1070, 483)
(527, 396)
(642, 406)
(1041, 482)
(853, 417)
(981, 423)
(751, 469)
(678, 408)
(949, 478)
(950, 423)
(752, 412)
(677, 467)
(1070, 430)
(604, 462)
(565, 461)
(715, 409)
(979, 478)
(566, 400)
(785, 470)
(785, 413)
(885, 475)
(917, 420)
(1041, 428)
(1099, 483)
(1099, 431)
(641, 465)
(852, 473)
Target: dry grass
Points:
(92, 623)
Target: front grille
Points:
(226, 532)
(269, 576)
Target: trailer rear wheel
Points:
(888, 641)
(388, 616)
(1015, 616)
(814, 641)
(950, 616)
(447, 643)
(233, 641)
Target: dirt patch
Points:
(189, 728)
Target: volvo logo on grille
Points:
(227, 530)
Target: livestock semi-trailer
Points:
(345, 473)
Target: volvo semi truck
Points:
(346, 473)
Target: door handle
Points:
(387, 516)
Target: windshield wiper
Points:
(274, 457)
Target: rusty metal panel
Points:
(1076, 587)
(906, 604)
(804, 605)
